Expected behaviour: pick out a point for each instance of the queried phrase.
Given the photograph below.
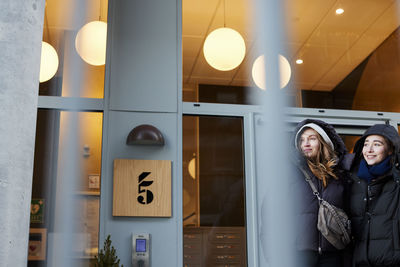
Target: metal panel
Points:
(71, 103)
(143, 73)
(164, 231)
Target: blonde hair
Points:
(323, 163)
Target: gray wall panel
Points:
(164, 231)
(143, 66)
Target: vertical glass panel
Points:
(80, 71)
(214, 216)
(66, 187)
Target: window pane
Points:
(66, 174)
(214, 216)
(349, 52)
(78, 74)
(342, 54)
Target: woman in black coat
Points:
(319, 152)
(375, 198)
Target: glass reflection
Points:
(66, 188)
(214, 232)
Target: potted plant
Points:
(107, 256)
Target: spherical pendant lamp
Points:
(192, 168)
(90, 43)
(224, 49)
(258, 71)
(48, 62)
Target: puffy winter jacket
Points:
(306, 207)
(374, 208)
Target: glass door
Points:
(214, 214)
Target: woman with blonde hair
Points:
(319, 153)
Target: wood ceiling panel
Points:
(197, 15)
(365, 45)
(191, 45)
(302, 16)
(386, 24)
(345, 29)
(202, 69)
(187, 65)
(317, 61)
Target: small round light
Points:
(90, 43)
(299, 61)
(339, 11)
(48, 62)
(258, 71)
(224, 49)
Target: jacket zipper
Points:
(368, 213)
(319, 233)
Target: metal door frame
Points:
(350, 122)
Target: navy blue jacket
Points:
(306, 204)
(374, 208)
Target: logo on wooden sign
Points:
(146, 196)
(142, 188)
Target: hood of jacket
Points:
(385, 130)
(338, 144)
(390, 133)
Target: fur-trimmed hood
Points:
(338, 144)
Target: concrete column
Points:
(21, 27)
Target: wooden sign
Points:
(142, 188)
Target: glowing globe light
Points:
(90, 43)
(224, 49)
(192, 168)
(48, 62)
(258, 71)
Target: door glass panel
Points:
(214, 216)
(66, 188)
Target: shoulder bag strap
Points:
(313, 188)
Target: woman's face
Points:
(309, 143)
(375, 149)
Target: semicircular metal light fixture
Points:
(145, 134)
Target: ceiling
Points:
(330, 45)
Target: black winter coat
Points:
(374, 209)
(306, 208)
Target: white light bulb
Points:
(258, 71)
(90, 43)
(224, 49)
(339, 11)
(48, 62)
